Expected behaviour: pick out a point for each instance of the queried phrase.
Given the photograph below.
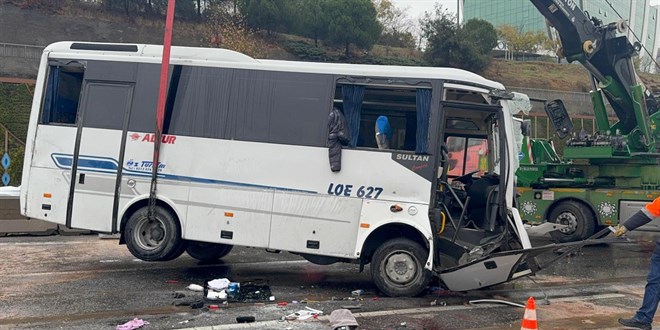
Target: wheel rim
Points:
(149, 234)
(401, 267)
(567, 218)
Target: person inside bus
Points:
(383, 132)
(643, 319)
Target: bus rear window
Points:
(62, 96)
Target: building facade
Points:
(642, 19)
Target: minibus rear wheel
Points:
(397, 268)
(204, 251)
(156, 240)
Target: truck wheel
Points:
(157, 240)
(397, 268)
(579, 218)
(204, 251)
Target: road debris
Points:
(304, 314)
(218, 284)
(245, 319)
(132, 324)
(195, 287)
(343, 319)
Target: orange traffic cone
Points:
(529, 319)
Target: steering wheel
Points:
(466, 178)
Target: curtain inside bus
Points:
(352, 96)
(423, 107)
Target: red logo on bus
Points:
(135, 136)
(166, 139)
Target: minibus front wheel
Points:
(154, 240)
(397, 268)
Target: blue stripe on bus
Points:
(109, 165)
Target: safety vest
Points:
(654, 207)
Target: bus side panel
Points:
(229, 215)
(316, 224)
(136, 176)
(50, 174)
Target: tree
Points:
(309, 20)
(479, 33)
(229, 30)
(353, 22)
(396, 24)
(467, 47)
(263, 14)
(522, 42)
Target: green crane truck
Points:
(602, 178)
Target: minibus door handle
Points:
(81, 178)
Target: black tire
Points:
(204, 251)
(158, 240)
(397, 268)
(578, 216)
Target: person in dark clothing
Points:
(337, 136)
(644, 316)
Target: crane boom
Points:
(607, 57)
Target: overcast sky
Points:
(416, 8)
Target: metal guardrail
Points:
(21, 51)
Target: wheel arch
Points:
(139, 203)
(390, 231)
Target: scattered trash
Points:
(195, 287)
(375, 298)
(178, 295)
(495, 301)
(218, 284)
(351, 306)
(216, 295)
(404, 324)
(304, 314)
(214, 306)
(233, 289)
(132, 324)
(282, 303)
(357, 292)
(294, 302)
(171, 281)
(250, 291)
(245, 319)
(342, 319)
(185, 321)
(199, 303)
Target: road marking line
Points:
(421, 310)
(43, 243)
(99, 271)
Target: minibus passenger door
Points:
(97, 158)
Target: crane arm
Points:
(607, 57)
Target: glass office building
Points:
(641, 17)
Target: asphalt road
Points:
(83, 282)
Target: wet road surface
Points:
(83, 282)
